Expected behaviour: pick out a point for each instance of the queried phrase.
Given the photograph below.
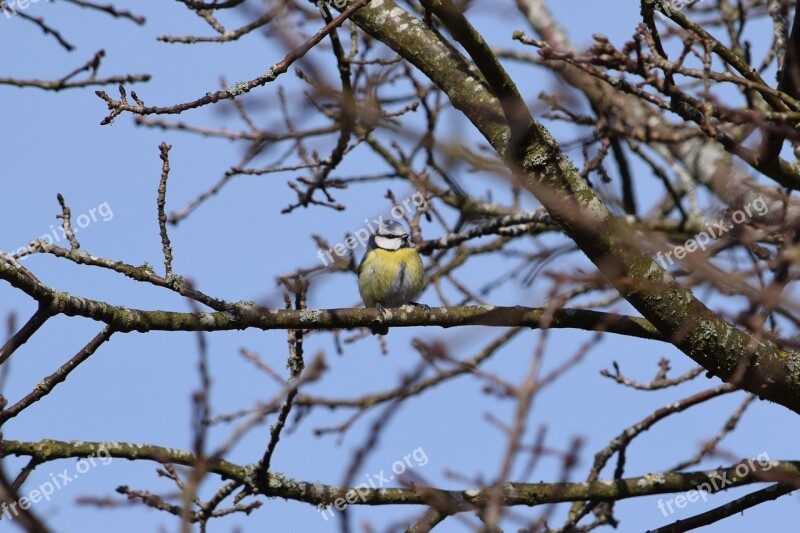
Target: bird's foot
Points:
(380, 329)
(426, 307)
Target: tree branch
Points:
(513, 494)
(242, 315)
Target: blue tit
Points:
(391, 272)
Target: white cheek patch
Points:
(388, 244)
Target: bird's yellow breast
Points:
(390, 277)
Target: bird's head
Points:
(391, 235)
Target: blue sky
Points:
(138, 388)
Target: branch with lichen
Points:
(513, 494)
(241, 315)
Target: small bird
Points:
(391, 272)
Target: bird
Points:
(390, 273)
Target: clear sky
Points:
(138, 387)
